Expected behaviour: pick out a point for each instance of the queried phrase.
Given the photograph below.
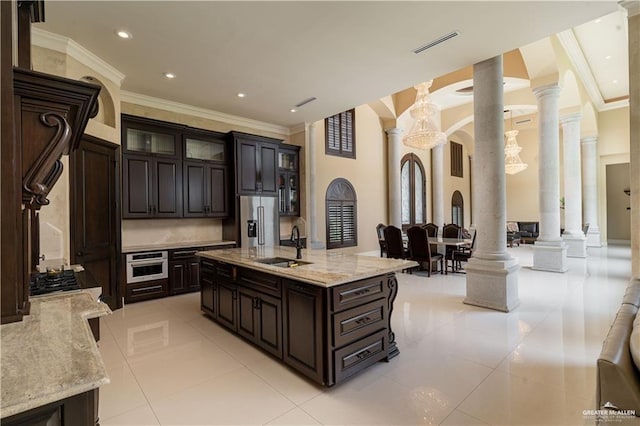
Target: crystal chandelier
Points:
(424, 133)
(512, 162)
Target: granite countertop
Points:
(326, 268)
(51, 354)
(171, 246)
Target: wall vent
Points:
(436, 42)
(526, 120)
(306, 101)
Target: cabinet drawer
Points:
(225, 271)
(359, 292)
(266, 283)
(359, 355)
(353, 324)
(146, 290)
(182, 254)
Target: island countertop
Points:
(51, 354)
(325, 268)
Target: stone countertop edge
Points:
(326, 269)
(51, 355)
(172, 246)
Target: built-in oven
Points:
(148, 266)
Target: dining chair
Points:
(420, 251)
(463, 253)
(381, 241)
(432, 233)
(393, 238)
(450, 230)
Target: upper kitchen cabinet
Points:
(288, 180)
(205, 175)
(152, 169)
(256, 164)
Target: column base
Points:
(576, 245)
(593, 237)
(550, 256)
(492, 284)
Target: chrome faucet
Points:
(296, 238)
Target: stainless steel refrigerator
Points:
(259, 221)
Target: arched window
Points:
(457, 209)
(414, 192)
(342, 215)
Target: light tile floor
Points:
(458, 364)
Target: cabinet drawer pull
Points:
(363, 354)
(361, 292)
(363, 320)
(150, 288)
(184, 253)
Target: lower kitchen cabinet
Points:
(227, 306)
(326, 333)
(303, 330)
(260, 320)
(184, 271)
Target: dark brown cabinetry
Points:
(184, 270)
(204, 189)
(288, 181)
(152, 187)
(327, 334)
(256, 165)
(303, 329)
(173, 171)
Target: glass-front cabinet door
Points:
(207, 150)
(288, 181)
(151, 142)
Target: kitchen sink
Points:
(282, 262)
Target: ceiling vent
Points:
(526, 120)
(306, 101)
(436, 42)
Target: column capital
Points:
(632, 6)
(588, 140)
(310, 126)
(552, 89)
(571, 118)
(394, 131)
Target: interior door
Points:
(95, 218)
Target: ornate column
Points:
(549, 251)
(437, 167)
(633, 16)
(492, 274)
(312, 189)
(572, 235)
(395, 186)
(590, 189)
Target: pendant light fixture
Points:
(424, 133)
(512, 162)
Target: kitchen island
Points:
(326, 315)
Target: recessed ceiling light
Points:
(608, 57)
(598, 20)
(124, 34)
(169, 75)
(615, 81)
(242, 95)
(293, 110)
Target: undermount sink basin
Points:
(282, 262)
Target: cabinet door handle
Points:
(80, 253)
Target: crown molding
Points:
(69, 47)
(151, 102)
(302, 127)
(576, 56)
